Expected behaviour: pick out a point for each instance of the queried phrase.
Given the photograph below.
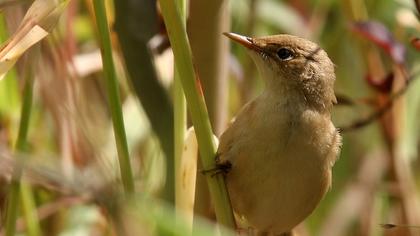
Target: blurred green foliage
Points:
(71, 121)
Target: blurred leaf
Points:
(143, 216)
(379, 35)
(415, 42)
(135, 24)
(9, 92)
(9, 96)
(391, 226)
(411, 129)
(343, 100)
(81, 220)
(8, 3)
(186, 179)
(12, 54)
(39, 20)
(132, 15)
(381, 85)
(44, 13)
(388, 226)
(283, 17)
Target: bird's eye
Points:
(284, 54)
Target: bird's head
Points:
(293, 66)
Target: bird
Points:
(278, 153)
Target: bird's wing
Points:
(226, 142)
(237, 129)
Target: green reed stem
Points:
(196, 104)
(180, 112)
(114, 96)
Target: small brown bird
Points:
(282, 145)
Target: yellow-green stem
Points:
(196, 105)
(180, 114)
(114, 96)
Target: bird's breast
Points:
(279, 170)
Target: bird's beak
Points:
(245, 41)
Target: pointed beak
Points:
(245, 41)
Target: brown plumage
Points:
(282, 144)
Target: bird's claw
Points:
(220, 168)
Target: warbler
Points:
(282, 146)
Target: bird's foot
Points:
(220, 168)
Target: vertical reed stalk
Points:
(196, 105)
(114, 96)
(210, 49)
(180, 114)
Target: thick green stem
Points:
(210, 49)
(180, 114)
(196, 105)
(114, 96)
